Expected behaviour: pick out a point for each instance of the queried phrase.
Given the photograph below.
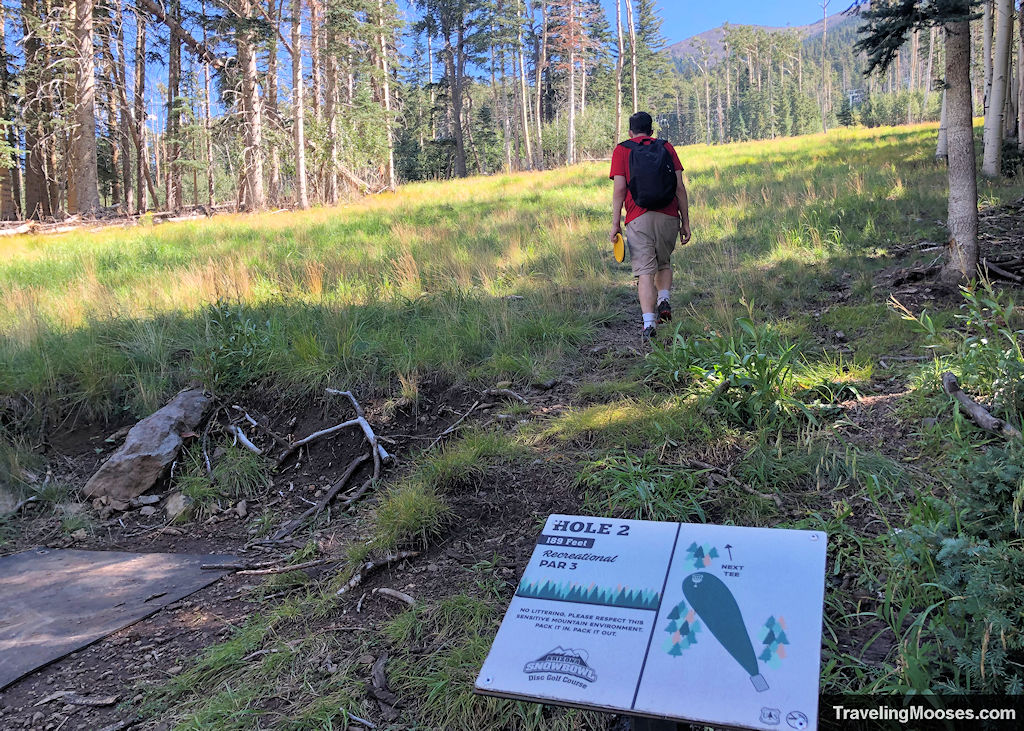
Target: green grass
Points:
(508, 278)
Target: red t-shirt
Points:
(620, 166)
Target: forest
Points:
(122, 108)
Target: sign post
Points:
(701, 623)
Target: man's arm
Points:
(684, 209)
(618, 198)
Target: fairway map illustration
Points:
(713, 624)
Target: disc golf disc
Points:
(620, 248)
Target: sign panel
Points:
(702, 623)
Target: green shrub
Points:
(748, 372)
(972, 554)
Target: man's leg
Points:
(667, 229)
(644, 259)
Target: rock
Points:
(80, 534)
(69, 509)
(503, 384)
(37, 717)
(929, 422)
(146, 500)
(546, 385)
(175, 670)
(147, 511)
(150, 447)
(177, 505)
(840, 335)
(241, 509)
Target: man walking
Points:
(648, 178)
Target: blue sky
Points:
(685, 18)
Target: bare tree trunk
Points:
(141, 164)
(942, 145)
(987, 26)
(632, 55)
(120, 72)
(84, 143)
(274, 185)
(618, 71)
(254, 197)
(113, 129)
(386, 81)
(570, 146)
(207, 130)
(542, 61)
(298, 111)
(824, 70)
(929, 73)
(172, 169)
(8, 202)
(992, 152)
(1020, 79)
(454, 63)
(315, 26)
(331, 110)
(523, 98)
(962, 249)
(1010, 95)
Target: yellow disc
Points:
(620, 248)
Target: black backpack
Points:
(652, 174)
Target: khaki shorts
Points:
(652, 239)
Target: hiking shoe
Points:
(648, 334)
(664, 311)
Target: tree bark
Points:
(120, 74)
(453, 59)
(274, 15)
(618, 72)
(930, 70)
(570, 146)
(632, 55)
(172, 131)
(298, 110)
(37, 196)
(315, 53)
(254, 196)
(8, 202)
(523, 98)
(992, 152)
(962, 249)
(84, 141)
(942, 146)
(824, 70)
(331, 110)
(1020, 78)
(386, 87)
(542, 62)
(141, 163)
(986, 60)
(207, 130)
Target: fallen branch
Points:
(370, 566)
(23, 503)
(290, 567)
(313, 437)
(1001, 272)
(698, 464)
(379, 453)
(357, 719)
(239, 435)
(452, 428)
(289, 527)
(266, 430)
(978, 413)
(506, 392)
(363, 489)
(395, 594)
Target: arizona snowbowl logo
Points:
(562, 661)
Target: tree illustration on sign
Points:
(700, 555)
(682, 629)
(773, 636)
(717, 607)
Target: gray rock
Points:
(149, 449)
(177, 505)
(242, 509)
(146, 500)
(147, 511)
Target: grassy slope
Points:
(379, 294)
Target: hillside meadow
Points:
(789, 391)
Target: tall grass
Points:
(420, 280)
